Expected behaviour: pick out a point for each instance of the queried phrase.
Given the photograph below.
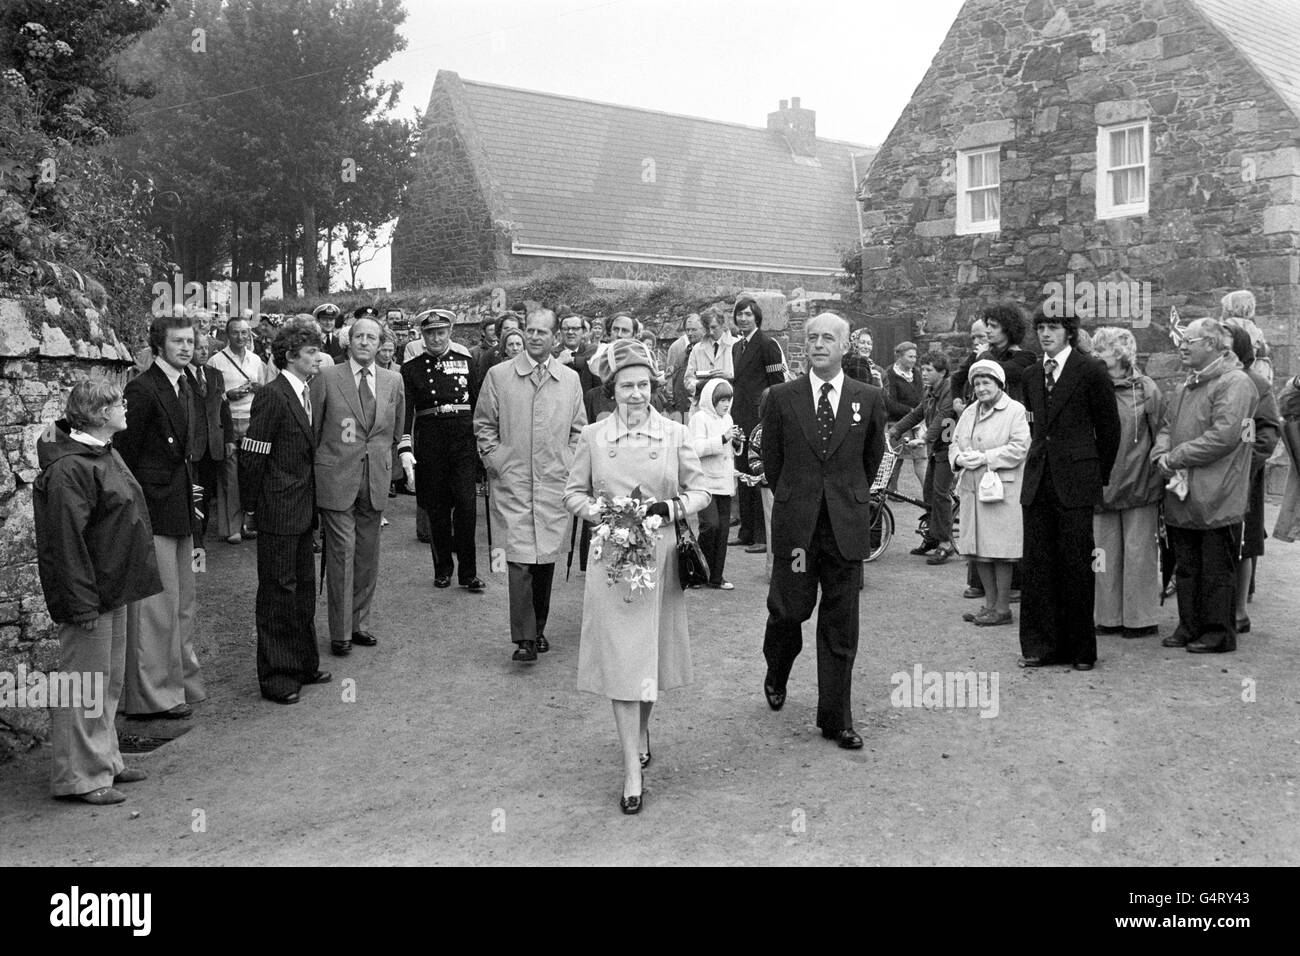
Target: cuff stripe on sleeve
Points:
(256, 447)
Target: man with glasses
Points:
(1204, 448)
(527, 422)
(243, 373)
(573, 344)
(441, 388)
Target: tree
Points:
(272, 126)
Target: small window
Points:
(979, 198)
(1123, 162)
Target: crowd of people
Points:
(1079, 484)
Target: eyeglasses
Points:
(121, 402)
(1199, 338)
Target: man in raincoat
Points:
(526, 423)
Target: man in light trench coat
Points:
(527, 422)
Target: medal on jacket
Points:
(856, 417)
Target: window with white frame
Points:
(1123, 170)
(979, 199)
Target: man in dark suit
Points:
(165, 432)
(210, 392)
(758, 364)
(823, 438)
(277, 475)
(1074, 422)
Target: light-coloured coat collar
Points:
(524, 365)
(653, 427)
(1003, 401)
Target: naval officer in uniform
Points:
(441, 391)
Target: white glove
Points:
(408, 466)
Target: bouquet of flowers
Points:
(628, 534)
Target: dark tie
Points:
(1049, 374)
(825, 416)
(743, 343)
(306, 401)
(186, 398)
(201, 381)
(367, 400)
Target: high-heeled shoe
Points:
(647, 756)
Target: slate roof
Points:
(571, 174)
(1267, 32)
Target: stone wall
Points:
(38, 367)
(1038, 77)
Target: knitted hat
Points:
(987, 367)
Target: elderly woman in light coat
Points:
(1126, 523)
(635, 644)
(991, 438)
(526, 423)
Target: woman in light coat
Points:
(992, 434)
(717, 440)
(1126, 523)
(635, 644)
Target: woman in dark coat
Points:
(95, 550)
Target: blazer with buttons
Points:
(277, 478)
(757, 364)
(802, 476)
(156, 447)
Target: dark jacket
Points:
(1075, 434)
(937, 413)
(156, 447)
(757, 364)
(221, 430)
(1015, 362)
(277, 475)
(94, 544)
(802, 477)
(1135, 481)
(901, 396)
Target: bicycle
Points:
(881, 529)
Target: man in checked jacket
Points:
(278, 485)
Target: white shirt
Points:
(78, 435)
(356, 374)
(230, 367)
(1059, 358)
(173, 374)
(837, 388)
(299, 387)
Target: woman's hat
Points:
(990, 368)
(624, 353)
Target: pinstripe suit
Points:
(277, 481)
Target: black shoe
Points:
(941, 556)
(364, 638)
(1029, 661)
(474, 585)
(526, 652)
(1243, 625)
(320, 677)
(543, 645)
(1107, 629)
(1200, 647)
(1082, 666)
(630, 805)
(775, 698)
(1176, 639)
(973, 592)
(847, 738)
(442, 581)
(289, 698)
(340, 648)
(758, 547)
(1150, 631)
(925, 547)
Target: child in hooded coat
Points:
(717, 440)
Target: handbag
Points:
(990, 487)
(692, 567)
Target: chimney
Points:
(797, 125)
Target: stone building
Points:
(510, 181)
(1121, 156)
